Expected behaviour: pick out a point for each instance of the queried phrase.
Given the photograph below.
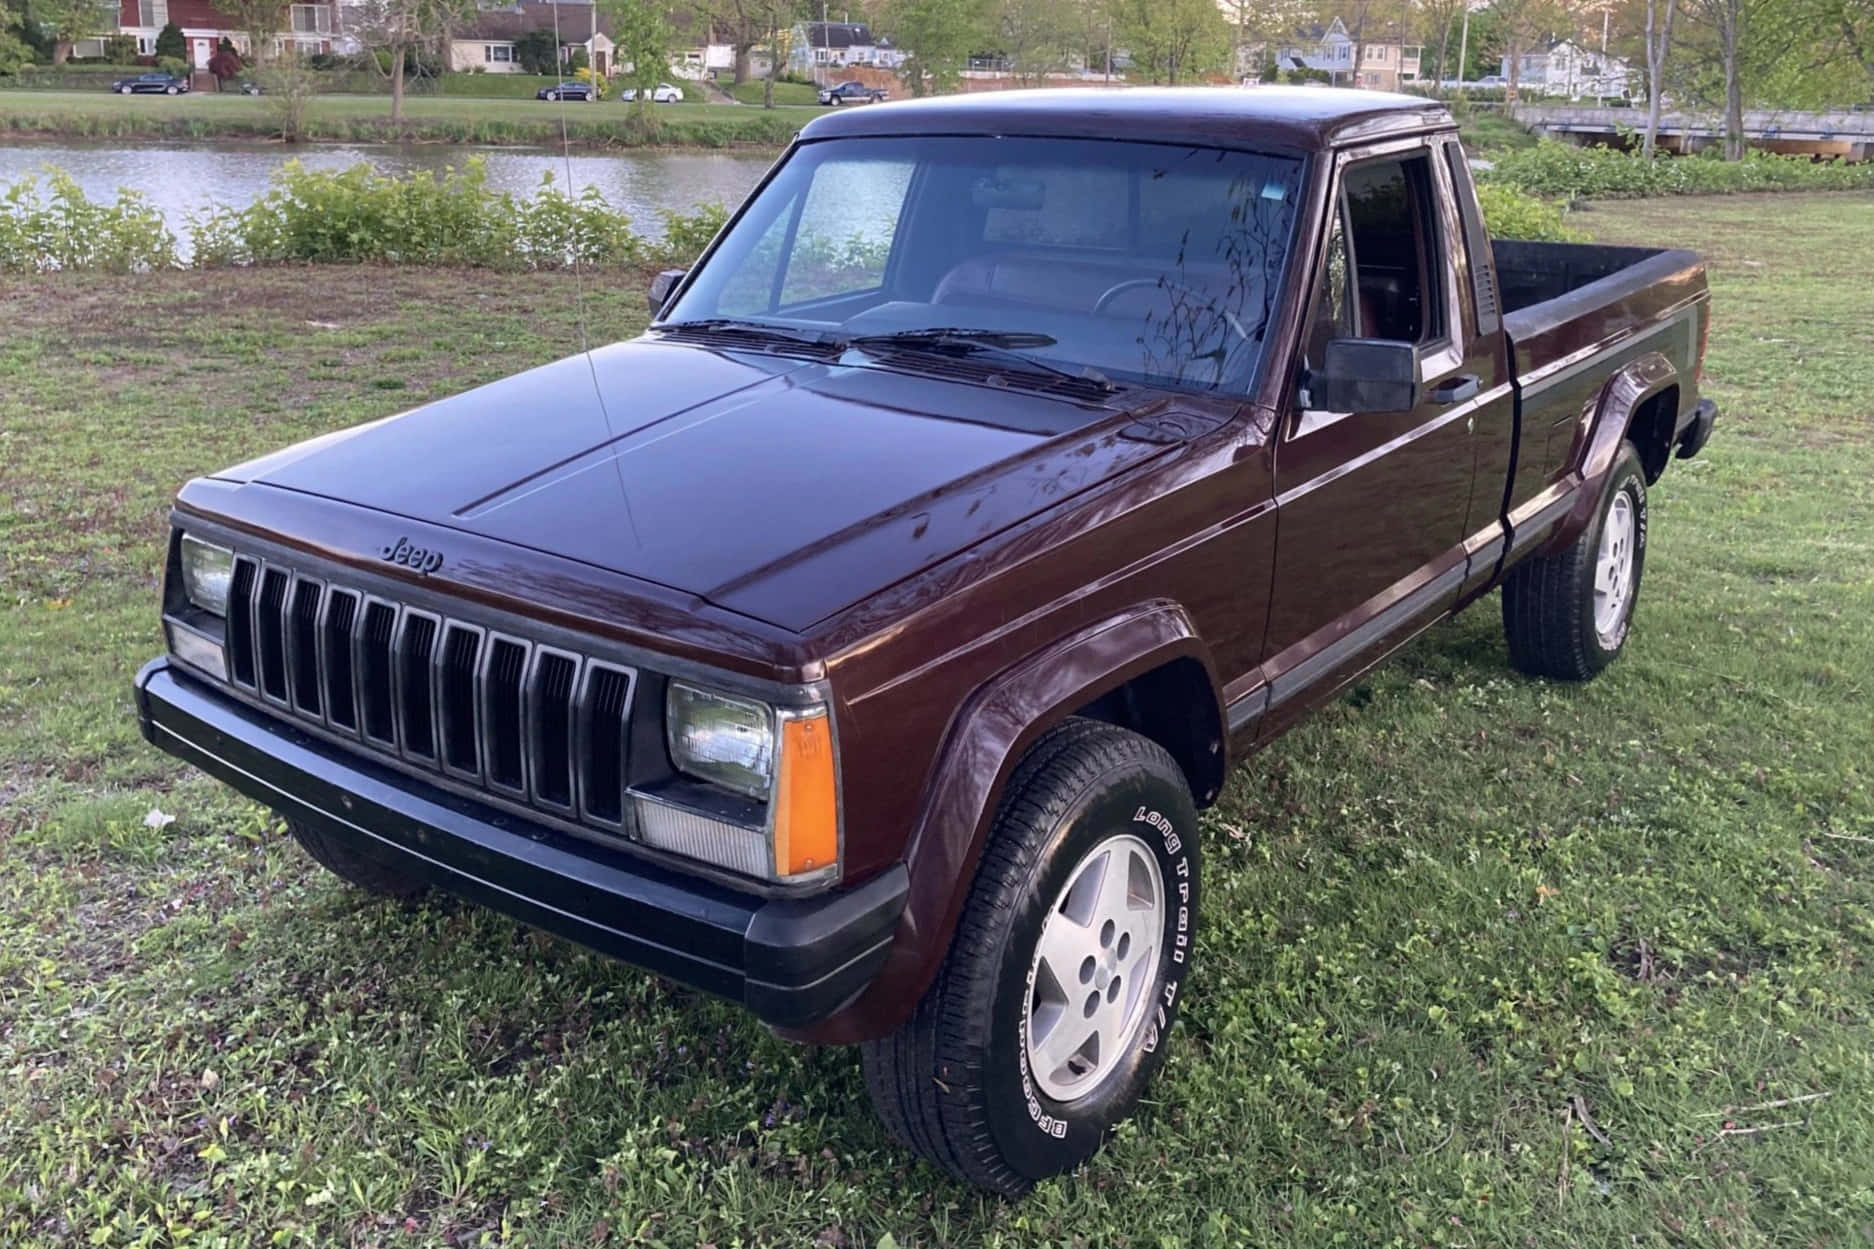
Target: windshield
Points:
(1140, 262)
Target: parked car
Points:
(662, 93)
(152, 84)
(250, 87)
(852, 93)
(869, 663)
(568, 91)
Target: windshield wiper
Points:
(1006, 345)
(755, 329)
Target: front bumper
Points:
(791, 961)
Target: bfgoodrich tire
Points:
(1568, 614)
(1049, 1017)
(347, 864)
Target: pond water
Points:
(181, 178)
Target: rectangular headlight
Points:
(197, 650)
(717, 738)
(207, 574)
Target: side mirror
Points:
(1366, 375)
(661, 286)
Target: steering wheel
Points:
(1114, 291)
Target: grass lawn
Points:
(1487, 133)
(784, 92)
(1485, 961)
(363, 118)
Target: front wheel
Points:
(169, 91)
(345, 862)
(1567, 614)
(1050, 1016)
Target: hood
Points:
(782, 489)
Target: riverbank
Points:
(71, 115)
(1485, 960)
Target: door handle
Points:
(1456, 389)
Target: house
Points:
(486, 40)
(309, 27)
(1566, 68)
(817, 45)
(1385, 64)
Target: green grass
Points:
(366, 118)
(1445, 917)
(784, 92)
(1489, 133)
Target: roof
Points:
(1307, 118)
(575, 21)
(839, 35)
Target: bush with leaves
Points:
(170, 43)
(1513, 214)
(451, 218)
(1560, 169)
(70, 231)
(687, 234)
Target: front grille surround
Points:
(503, 714)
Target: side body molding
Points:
(986, 739)
(1603, 426)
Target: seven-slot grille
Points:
(528, 722)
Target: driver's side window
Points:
(1372, 282)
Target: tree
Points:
(1658, 45)
(260, 20)
(641, 44)
(1173, 38)
(538, 51)
(402, 28)
(170, 43)
(224, 64)
(1037, 37)
(937, 37)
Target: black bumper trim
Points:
(1697, 431)
(791, 961)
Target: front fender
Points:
(986, 739)
(1604, 423)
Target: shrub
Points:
(452, 218)
(1560, 169)
(69, 231)
(687, 234)
(1513, 214)
(170, 43)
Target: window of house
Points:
(152, 12)
(498, 53)
(311, 19)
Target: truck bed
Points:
(1532, 273)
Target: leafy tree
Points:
(1170, 39)
(937, 37)
(224, 64)
(402, 29)
(538, 51)
(170, 43)
(641, 42)
(1038, 37)
(260, 20)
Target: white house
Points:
(1568, 69)
(834, 45)
(486, 42)
(1385, 64)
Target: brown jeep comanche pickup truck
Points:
(861, 642)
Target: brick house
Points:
(310, 27)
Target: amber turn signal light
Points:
(806, 814)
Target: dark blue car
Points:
(152, 84)
(567, 91)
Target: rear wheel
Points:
(344, 861)
(1567, 614)
(1049, 1017)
